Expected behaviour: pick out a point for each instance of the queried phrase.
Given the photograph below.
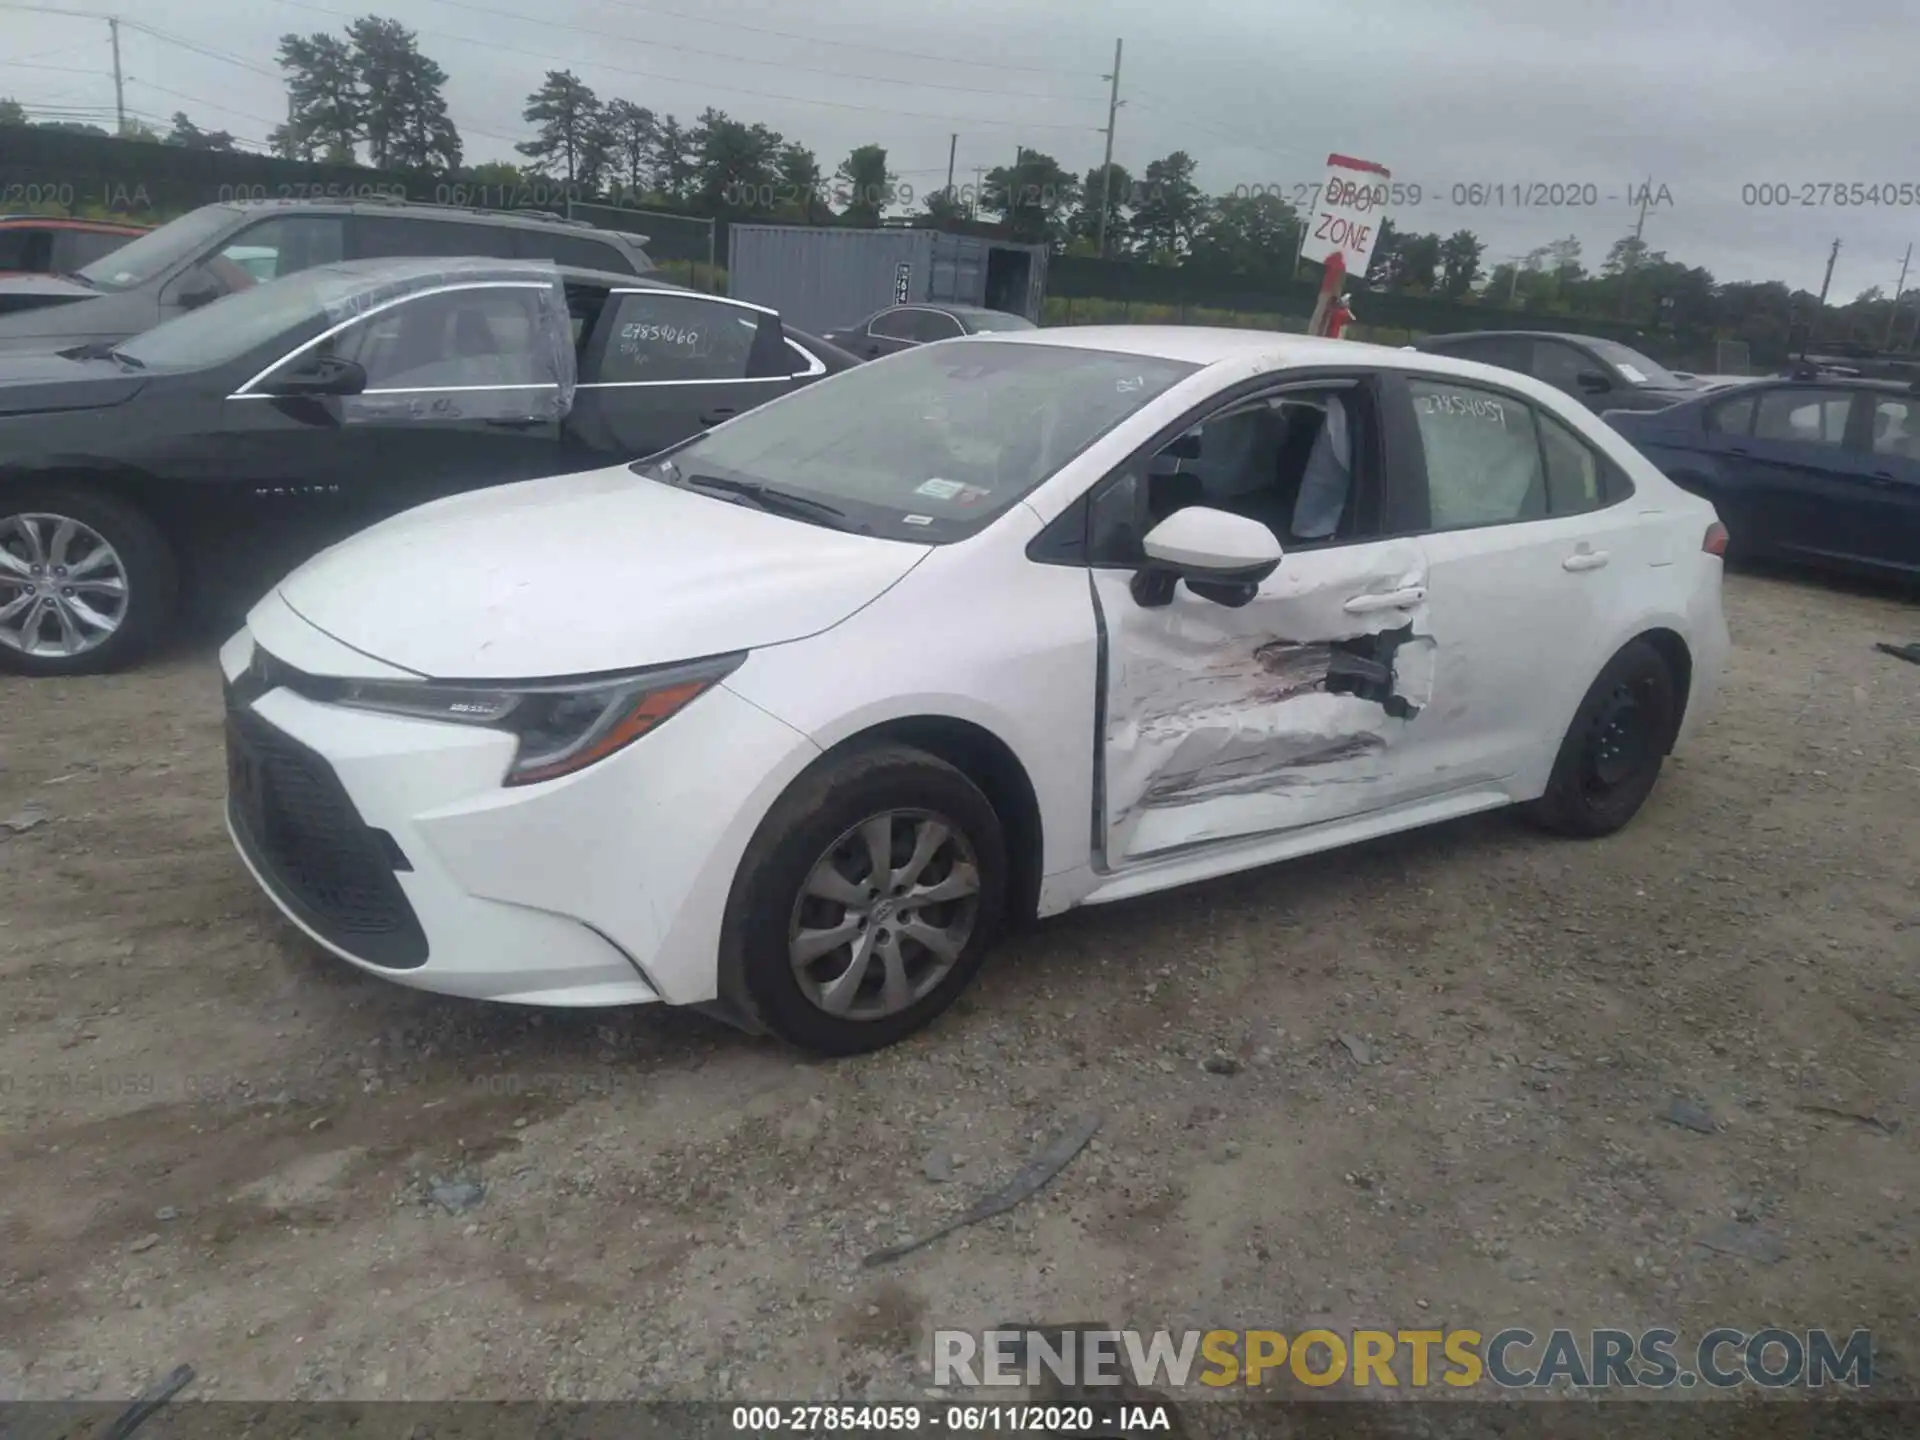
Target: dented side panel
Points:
(1300, 707)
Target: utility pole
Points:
(1633, 255)
(1893, 311)
(973, 205)
(1813, 321)
(1106, 164)
(119, 88)
(953, 144)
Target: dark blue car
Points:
(1823, 470)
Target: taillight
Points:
(1716, 541)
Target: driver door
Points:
(1222, 722)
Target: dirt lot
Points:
(217, 1144)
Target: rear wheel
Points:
(867, 900)
(87, 582)
(1612, 752)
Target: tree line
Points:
(368, 92)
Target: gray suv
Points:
(211, 252)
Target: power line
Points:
(58, 69)
(848, 44)
(209, 104)
(199, 49)
(570, 61)
(917, 84)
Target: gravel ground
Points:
(1417, 1083)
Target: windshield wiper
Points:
(780, 502)
(102, 350)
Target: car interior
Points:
(1287, 461)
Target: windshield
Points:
(229, 328)
(1637, 368)
(159, 250)
(932, 444)
(998, 320)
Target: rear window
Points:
(999, 320)
(381, 235)
(580, 251)
(23, 250)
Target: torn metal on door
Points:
(1224, 722)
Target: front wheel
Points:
(1612, 752)
(87, 582)
(867, 900)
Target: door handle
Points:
(1386, 600)
(515, 424)
(1883, 477)
(1585, 560)
(1738, 450)
(719, 413)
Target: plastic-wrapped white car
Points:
(788, 721)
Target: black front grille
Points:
(327, 865)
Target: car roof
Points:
(1570, 335)
(519, 219)
(66, 222)
(1208, 345)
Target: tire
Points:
(137, 552)
(772, 916)
(1612, 752)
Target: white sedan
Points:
(789, 721)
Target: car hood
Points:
(584, 574)
(36, 383)
(27, 290)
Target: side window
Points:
(1816, 417)
(1484, 463)
(479, 338)
(1286, 460)
(1560, 365)
(28, 250)
(895, 325)
(75, 248)
(276, 247)
(579, 251)
(1573, 470)
(1733, 417)
(1896, 428)
(669, 336)
(1508, 354)
(934, 325)
(392, 235)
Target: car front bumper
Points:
(392, 842)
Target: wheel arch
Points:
(990, 763)
(1674, 651)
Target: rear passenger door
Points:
(661, 365)
(1529, 534)
(1894, 480)
(1797, 467)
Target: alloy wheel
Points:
(63, 588)
(884, 914)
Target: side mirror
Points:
(318, 375)
(1593, 382)
(198, 288)
(1222, 557)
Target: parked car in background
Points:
(53, 245)
(901, 327)
(1824, 470)
(676, 732)
(219, 449)
(1600, 374)
(220, 250)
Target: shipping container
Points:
(822, 279)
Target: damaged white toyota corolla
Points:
(789, 721)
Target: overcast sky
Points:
(1704, 98)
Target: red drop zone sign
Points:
(1346, 220)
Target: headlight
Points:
(562, 725)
